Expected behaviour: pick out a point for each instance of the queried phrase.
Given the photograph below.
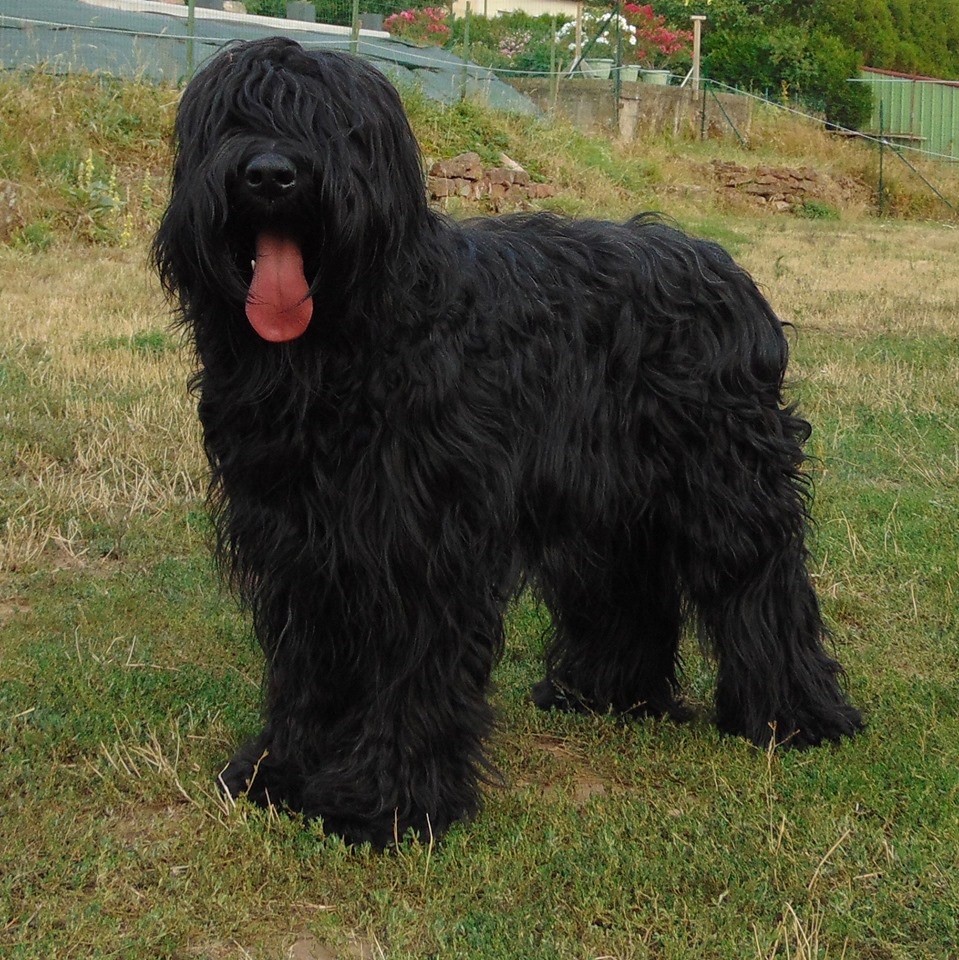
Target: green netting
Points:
(157, 40)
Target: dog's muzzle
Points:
(278, 305)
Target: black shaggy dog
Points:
(407, 417)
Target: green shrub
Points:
(335, 11)
(266, 8)
(513, 41)
(811, 68)
(35, 237)
(817, 210)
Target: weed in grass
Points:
(817, 210)
(149, 342)
(34, 237)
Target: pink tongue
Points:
(278, 306)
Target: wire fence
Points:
(886, 146)
(167, 39)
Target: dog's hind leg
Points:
(745, 570)
(617, 620)
(776, 680)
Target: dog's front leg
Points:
(377, 715)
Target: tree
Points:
(788, 60)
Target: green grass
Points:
(127, 675)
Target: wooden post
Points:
(882, 153)
(578, 51)
(697, 47)
(618, 79)
(553, 67)
(355, 28)
(466, 49)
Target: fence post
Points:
(553, 65)
(466, 47)
(882, 153)
(190, 34)
(617, 80)
(698, 20)
(355, 28)
(578, 41)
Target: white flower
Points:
(607, 38)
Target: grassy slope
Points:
(91, 157)
(125, 676)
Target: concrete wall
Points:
(535, 8)
(644, 108)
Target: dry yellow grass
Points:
(129, 442)
(888, 292)
(859, 279)
(130, 438)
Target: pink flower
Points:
(424, 25)
(655, 42)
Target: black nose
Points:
(270, 175)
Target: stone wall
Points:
(783, 189)
(465, 176)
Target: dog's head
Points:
(300, 162)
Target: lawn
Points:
(127, 675)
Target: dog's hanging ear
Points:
(202, 109)
(374, 185)
(198, 203)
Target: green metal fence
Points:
(916, 112)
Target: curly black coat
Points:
(596, 407)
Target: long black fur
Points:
(596, 406)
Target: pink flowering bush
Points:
(512, 41)
(656, 44)
(426, 25)
(514, 44)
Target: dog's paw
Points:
(385, 832)
(259, 776)
(800, 731)
(549, 694)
